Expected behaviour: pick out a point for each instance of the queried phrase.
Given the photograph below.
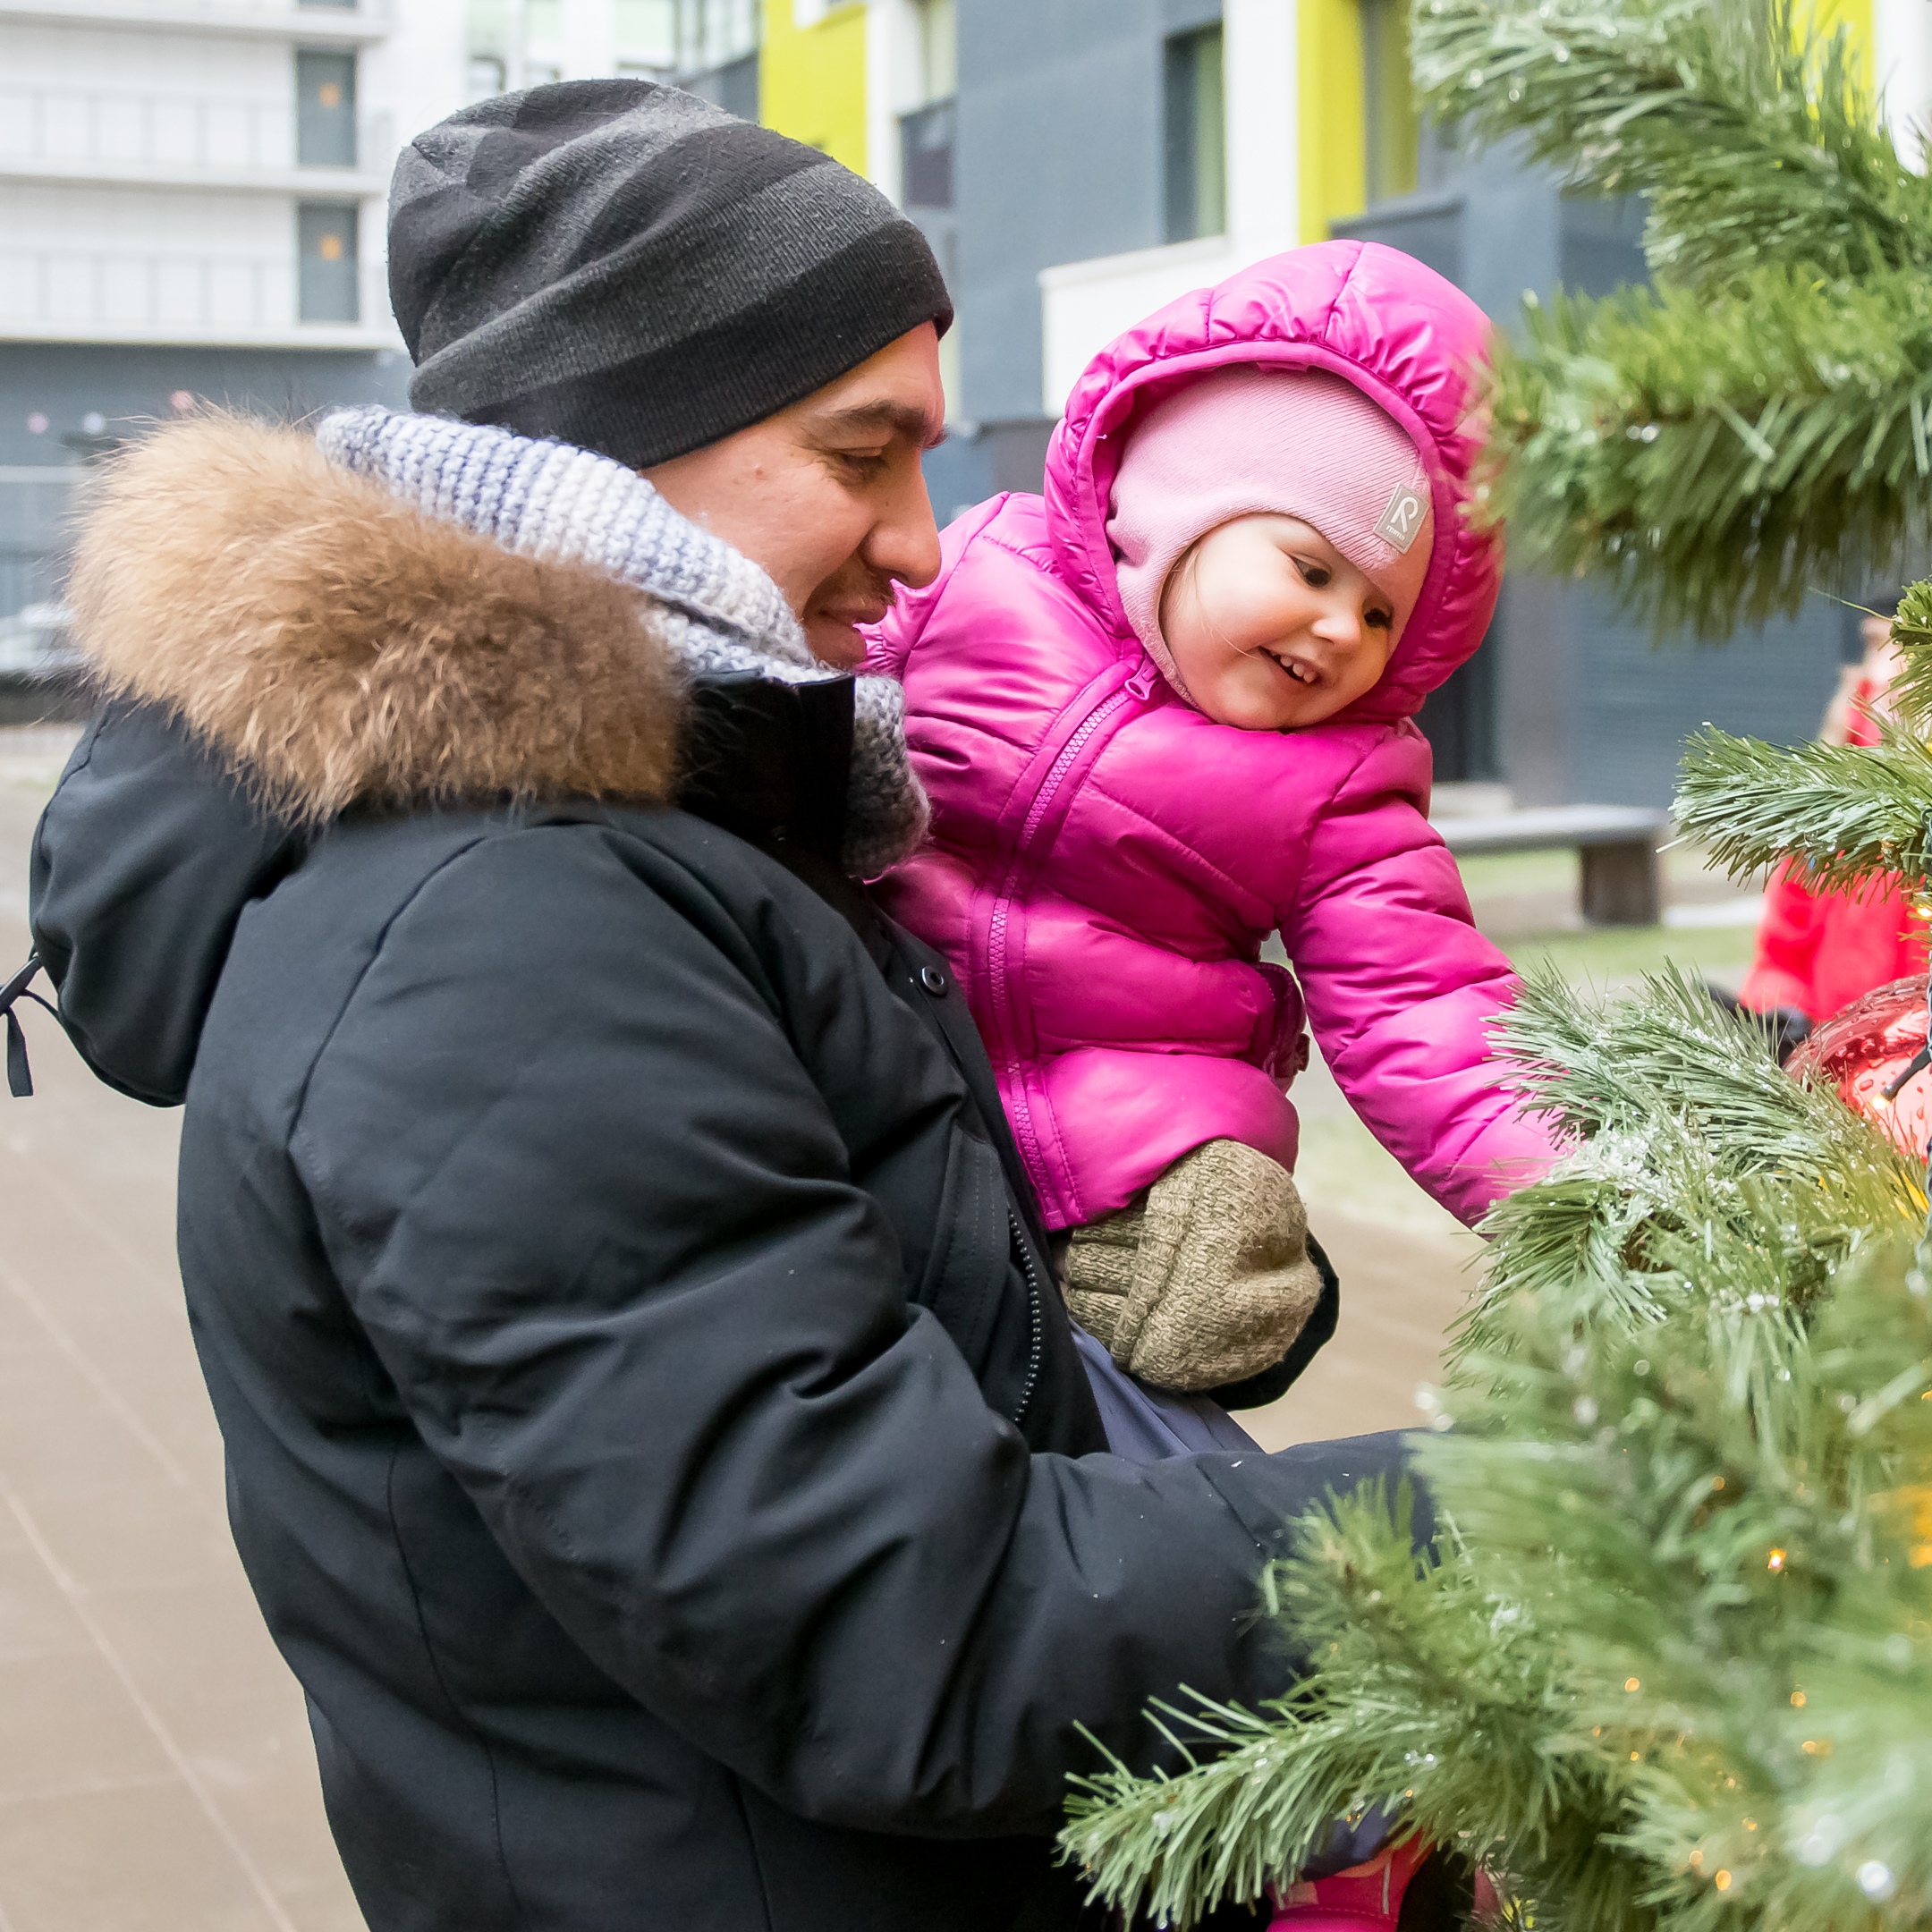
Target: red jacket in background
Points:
(1819, 950)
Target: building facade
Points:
(195, 207)
(193, 212)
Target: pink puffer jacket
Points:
(1106, 864)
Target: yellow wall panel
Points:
(812, 81)
(1328, 103)
(1856, 14)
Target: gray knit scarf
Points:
(719, 612)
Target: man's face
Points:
(827, 495)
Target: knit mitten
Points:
(1203, 1280)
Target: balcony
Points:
(93, 295)
(275, 20)
(107, 139)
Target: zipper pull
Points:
(1141, 684)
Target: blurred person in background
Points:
(1818, 949)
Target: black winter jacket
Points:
(652, 1435)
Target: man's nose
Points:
(904, 542)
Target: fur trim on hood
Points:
(336, 646)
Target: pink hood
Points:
(1106, 864)
(1406, 338)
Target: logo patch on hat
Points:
(1401, 521)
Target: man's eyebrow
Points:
(893, 418)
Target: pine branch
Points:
(1594, 1067)
(1714, 458)
(1701, 1169)
(1847, 813)
(1748, 128)
(1648, 1667)
(1911, 633)
(1425, 1698)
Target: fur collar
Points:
(349, 619)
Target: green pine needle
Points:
(1713, 458)
(1758, 424)
(1749, 129)
(1847, 813)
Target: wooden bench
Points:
(1617, 844)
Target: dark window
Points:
(1458, 718)
(926, 156)
(324, 110)
(1196, 145)
(327, 3)
(326, 259)
(1390, 127)
(733, 87)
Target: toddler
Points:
(1165, 711)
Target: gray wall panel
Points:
(1059, 159)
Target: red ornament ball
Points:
(1865, 1050)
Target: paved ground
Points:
(156, 1774)
(155, 1766)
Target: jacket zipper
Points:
(1136, 686)
(1036, 1314)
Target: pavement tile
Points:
(203, 1658)
(36, 1618)
(71, 1725)
(1400, 1292)
(144, 1535)
(140, 1859)
(77, 1444)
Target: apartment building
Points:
(191, 209)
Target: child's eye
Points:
(1378, 619)
(1314, 575)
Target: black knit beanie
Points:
(626, 267)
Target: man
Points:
(654, 1435)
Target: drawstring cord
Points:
(20, 1076)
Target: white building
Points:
(191, 209)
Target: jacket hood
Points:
(332, 645)
(1411, 341)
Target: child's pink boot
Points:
(1369, 1898)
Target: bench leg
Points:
(1621, 886)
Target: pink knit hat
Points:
(1300, 443)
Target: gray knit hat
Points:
(625, 266)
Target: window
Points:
(324, 110)
(486, 76)
(926, 157)
(1196, 145)
(325, 262)
(715, 34)
(1390, 126)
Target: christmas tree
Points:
(1669, 1660)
